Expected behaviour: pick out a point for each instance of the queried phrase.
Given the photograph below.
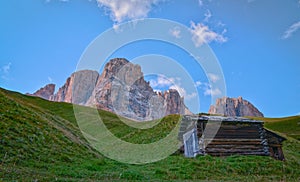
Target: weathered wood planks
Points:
(235, 136)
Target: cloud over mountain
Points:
(128, 9)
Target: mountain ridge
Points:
(234, 107)
(120, 88)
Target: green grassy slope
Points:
(289, 126)
(40, 140)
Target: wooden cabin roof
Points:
(220, 118)
(274, 138)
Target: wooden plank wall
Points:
(236, 138)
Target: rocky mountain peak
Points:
(117, 65)
(234, 107)
(45, 92)
(121, 88)
(123, 70)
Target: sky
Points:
(256, 44)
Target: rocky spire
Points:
(234, 107)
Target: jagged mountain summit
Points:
(121, 88)
(46, 92)
(234, 107)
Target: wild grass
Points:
(288, 126)
(41, 141)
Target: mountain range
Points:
(121, 88)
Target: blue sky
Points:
(255, 41)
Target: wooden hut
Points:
(224, 136)
(275, 144)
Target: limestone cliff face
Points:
(234, 107)
(173, 102)
(82, 83)
(46, 92)
(122, 89)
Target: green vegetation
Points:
(40, 140)
(289, 126)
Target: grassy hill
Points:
(289, 126)
(40, 140)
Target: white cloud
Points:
(220, 24)
(171, 83)
(292, 29)
(208, 90)
(50, 79)
(121, 10)
(117, 28)
(4, 70)
(183, 92)
(162, 82)
(224, 31)
(200, 2)
(212, 92)
(213, 77)
(175, 32)
(198, 83)
(207, 15)
(202, 34)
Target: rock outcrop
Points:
(234, 107)
(82, 83)
(46, 92)
(122, 89)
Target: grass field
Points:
(289, 126)
(41, 141)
